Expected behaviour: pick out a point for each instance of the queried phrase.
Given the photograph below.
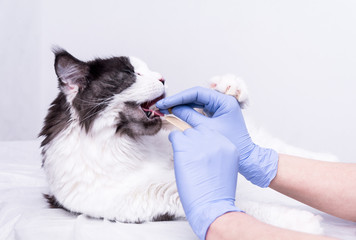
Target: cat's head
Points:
(115, 93)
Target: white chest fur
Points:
(116, 178)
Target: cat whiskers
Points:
(97, 101)
(88, 115)
(92, 106)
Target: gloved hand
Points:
(206, 166)
(256, 164)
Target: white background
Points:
(297, 57)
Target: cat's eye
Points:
(139, 74)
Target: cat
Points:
(105, 153)
(105, 148)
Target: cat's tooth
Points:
(153, 107)
(148, 113)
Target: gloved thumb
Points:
(189, 115)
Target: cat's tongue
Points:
(154, 110)
(150, 108)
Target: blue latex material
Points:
(256, 164)
(206, 166)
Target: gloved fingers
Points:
(193, 105)
(164, 111)
(189, 115)
(208, 98)
(175, 136)
(207, 130)
(193, 134)
(178, 140)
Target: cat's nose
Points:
(162, 80)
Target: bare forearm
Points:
(329, 187)
(238, 225)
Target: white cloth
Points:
(24, 213)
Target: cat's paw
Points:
(231, 85)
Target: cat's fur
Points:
(102, 155)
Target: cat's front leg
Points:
(231, 85)
(170, 207)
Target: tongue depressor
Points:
(181, 125)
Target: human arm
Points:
(205, 166)
(238, 225)
(327, 186)
(259, 166)
(256, 164)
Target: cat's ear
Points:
(71, 72)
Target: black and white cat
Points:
(105, 150)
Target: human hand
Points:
(206, 166)
(258, 165)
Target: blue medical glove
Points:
(256, 164)
(206, 166)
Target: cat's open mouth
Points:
(150, 109)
